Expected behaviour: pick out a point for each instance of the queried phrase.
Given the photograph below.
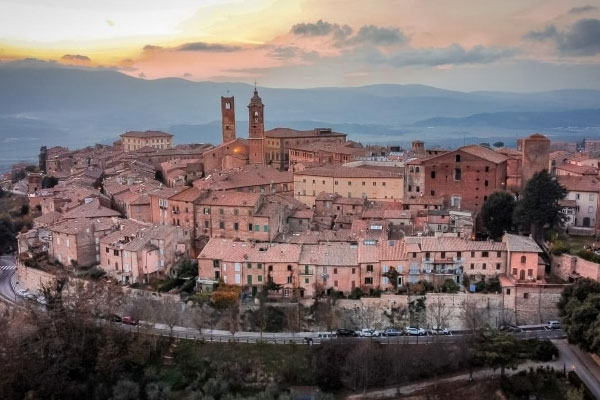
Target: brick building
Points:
(278, 142)
(316, 153)
(463, 178)
(251, 179)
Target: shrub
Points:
(559, 247)
(589, 256)
(356, 294)
(449, 286)
(168, 285)
(545, 350)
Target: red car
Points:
(127, 320)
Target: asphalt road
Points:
(580, 362)
(7, 270)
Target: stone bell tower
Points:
(256, 129)
(228, 118)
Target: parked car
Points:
(439, 331)
(30, 296)
(346, 333)
(369, 333)
(411, 331)
(326, 335)
(22, 292)
(554, 324)
(392, 332)
(42, 300)
(127, 320)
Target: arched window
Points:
(523, 260)
(228, 106)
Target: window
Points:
(353, 271)
(529, 272)
(306, 280)
(116, 252)
(498, 254)
(349, 183)
(577, 196)
(369, 268)
(216, 263)
(107, 250)
(497, 265)
(485, 183)
(457, 174)
(472, 254)
(266, 228)
(236, 226)
(458, 255)
(525, 295)
(221, 225)
(289, 267)
(443, 255)
(259, 266)
(432, 174)
(368, 281)
(483, 266)
(487, 169)
(335, 183)
(591, 197)
(236, 211)
(433, 192)
(289, 279)
(484, 254)
(363, 183)
(335, 271)
(374, 183)
(382, 183)
(250, 227)
(457, 158)
(414, 255)
(590, 210)
(472, 266)
(523, 260)
(418, 189)
(221, 211)
(507, 291)
(249, 265)
(256, 228)
(410, 188)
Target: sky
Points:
(512, 45)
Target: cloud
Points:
(75, 57)
(451, 55)
(371, 34)
(194, 46)
(151, 47)
(582, 9)
(321, 28)
(210, 47)
(344, 35)
(284, 52)
(581, 39)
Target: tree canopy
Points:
(539, 204)
(579, 307)
(497, 213)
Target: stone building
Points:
(256, 130)
(585, 191)
(535, 151)
(228, 118)
(135, 140)
(371, 183)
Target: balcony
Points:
(306, 272)
(414, 271)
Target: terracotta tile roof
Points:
(303, 214)
(578, 169)
(340, 171)
(485, 153)
(392, 250)
(166, 192)
(229, 250)
(244, 177)
(580, 183)
(48, 218)
(458, 244)
(343, 148)
(395, 214)
(520, 243)
(188, 195)
(92, 209)
(334, 254)
(146, 134)
(367, 253)
(79, 225)
(231, 199)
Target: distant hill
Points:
(47, 104)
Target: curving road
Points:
(7, 270)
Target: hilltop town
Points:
(302, 215)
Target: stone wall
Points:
(34, 279)
(567, 266)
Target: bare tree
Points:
(473, 316)
(233, 318)
(261, 318)
(366, 315)
(292, 316)
(396, 314)
(169, 314)
(438, 314)
(325, 314)
(199, 318)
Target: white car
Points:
(553, 324)
(22, 292)
(42, 300)
(439, 331)
(369, 333)
(415, 331)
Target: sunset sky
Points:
(463, 44)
